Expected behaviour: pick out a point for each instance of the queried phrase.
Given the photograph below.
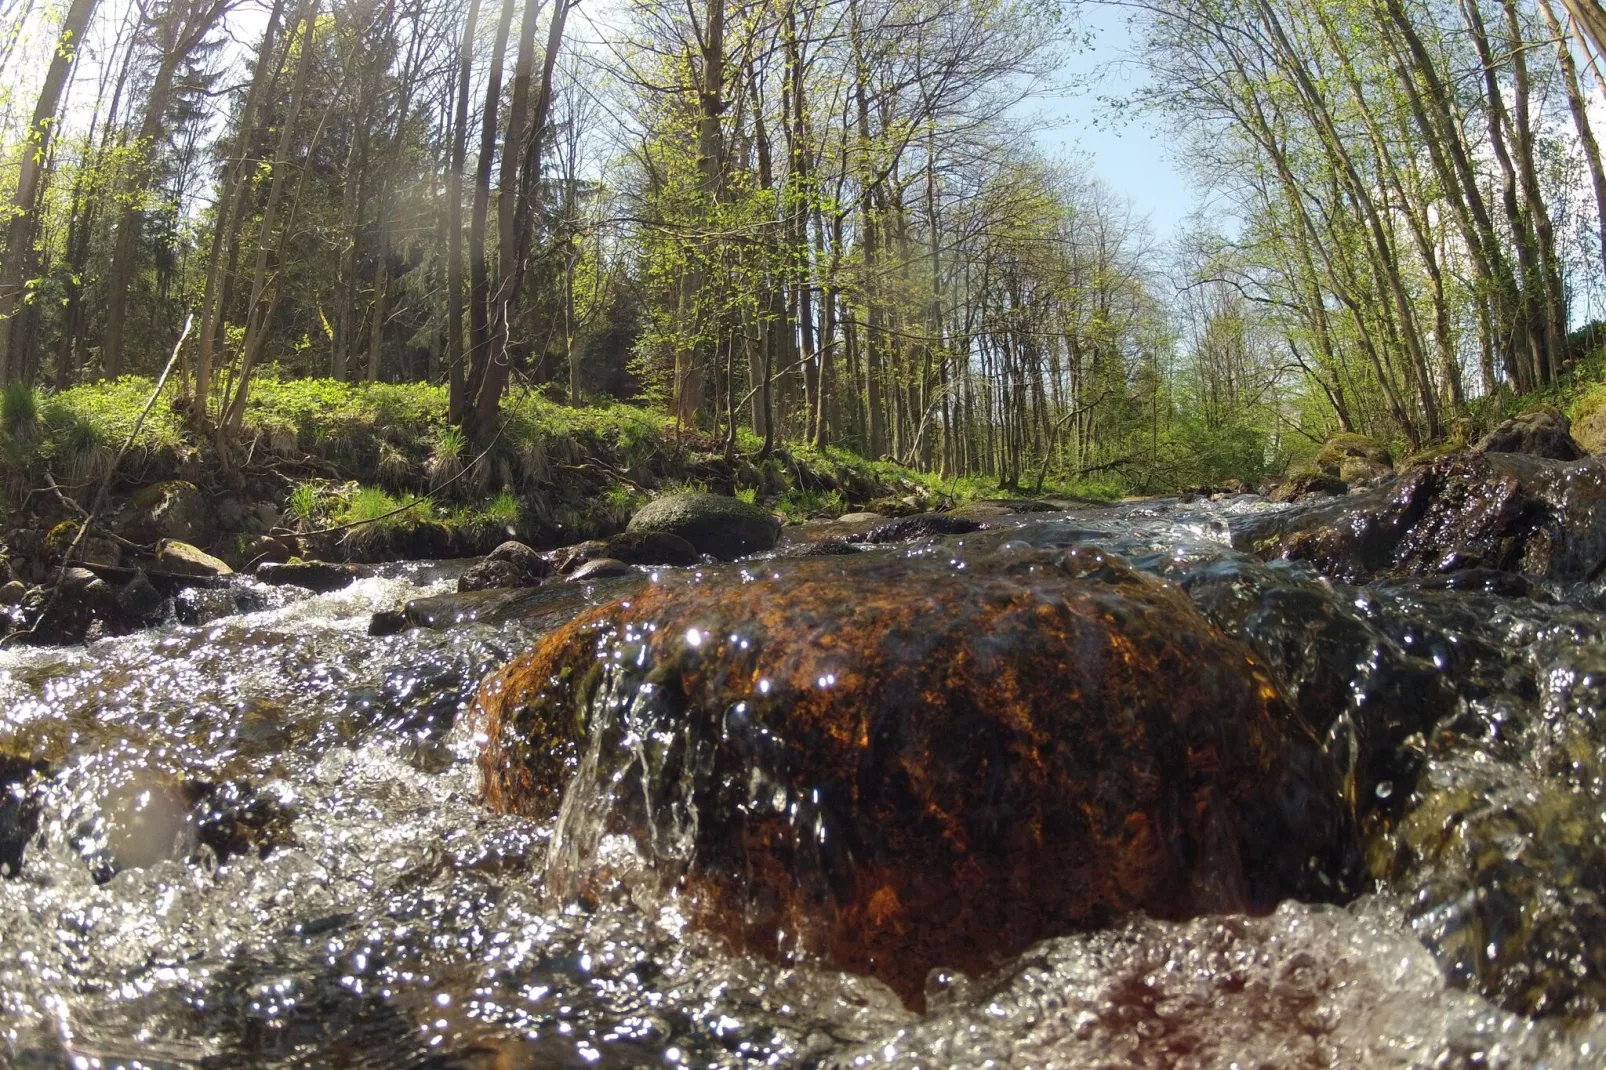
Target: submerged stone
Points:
(922, 526)
(901, 764)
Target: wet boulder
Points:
(569, 558)
(899, 764)
(174, 509)
(512, 564)
(319, 576)
(1468, 510)
(491, 574)
(1502, 873)
(726, 528)
(650, 548)
(236, 818)
(923, 526)
(600, 568)
(19, 809)
(140, 602)
(1541, 432)
(631, 547)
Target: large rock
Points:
(1505, 512)
(182, 559)
(1541, 432)
(726, 528)
(901, 765)
(171, 510)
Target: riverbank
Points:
(380, 464)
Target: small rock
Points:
(230, 514)
(141, 602)
(388, 622)
(74, 578)
(600, 568)
(650, 548)
(492, 573)
(524, 557)
(570, 558)
(726, 528)
(183, 559)
(265, 549)
(319, 576)
(861, 518)
(1541, 432)
(12, 593)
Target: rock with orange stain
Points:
(909, 763)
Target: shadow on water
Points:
(259, 841)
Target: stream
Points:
(259, 841)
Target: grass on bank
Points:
(341, 453)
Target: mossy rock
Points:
(1589, 430)
(174, 509)
(58, 539)
(1346, 445)
(727, 528)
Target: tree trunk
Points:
(17, 257)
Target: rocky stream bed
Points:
(1220, 783)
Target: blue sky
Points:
(1130, 153)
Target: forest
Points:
(816, 223)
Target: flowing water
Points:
(256, 841)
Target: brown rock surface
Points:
(902, 765)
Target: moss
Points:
(1348, 444)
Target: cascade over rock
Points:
(903, 764)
